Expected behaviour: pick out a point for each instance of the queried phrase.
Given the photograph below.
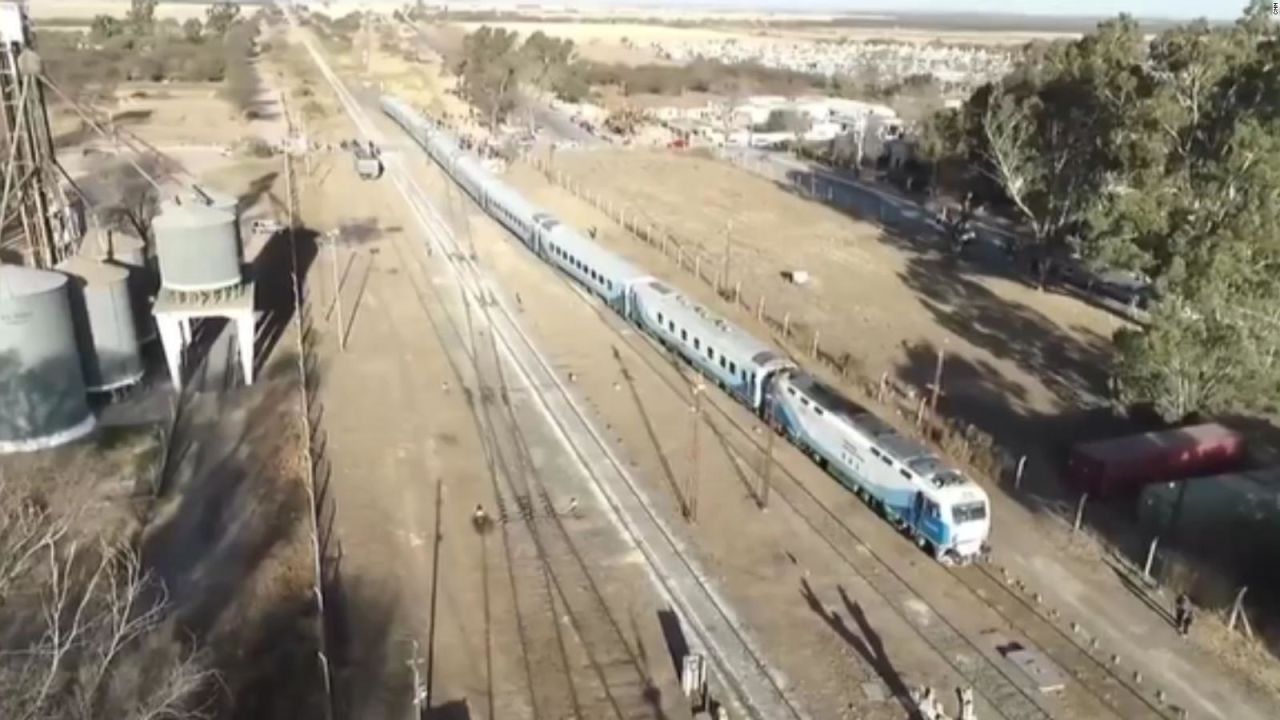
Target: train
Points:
(946, 513)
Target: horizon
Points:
(1156, 10)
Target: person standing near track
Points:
(965, 695)
(1183, 613)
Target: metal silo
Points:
(104, 322)
(197, 247)
(42, 394)
(224, 202)
(130, 253)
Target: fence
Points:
(914, 405)
(971, 447)
(310, 416)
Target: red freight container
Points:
(1106, 467)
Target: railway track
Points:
(1094, 690)
(1072, 652)
(750, 687)
(583, 668)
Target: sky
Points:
(1172, 9)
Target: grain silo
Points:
(104, 322)
(42, 390)
(224, 202)
(130, 253)
(197, 247)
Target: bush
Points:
(254, 147)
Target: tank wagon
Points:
(1118, 465)
(942, 510)
(42, 389)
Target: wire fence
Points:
(802, 339)
(916, 406)
(325, 555)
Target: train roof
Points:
(829, 398)
(706, 324)
(904, 450)
(603, 261)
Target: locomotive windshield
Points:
(969, 512)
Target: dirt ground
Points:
(1093, 590)
(604, 41)
(1012, 352)
(230, 535)
(408, 462)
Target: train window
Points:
(818, 411)
(791, 392)
(905, 474)
(711, 353)
(660, 320)
(684, 335)
(723, 364)
(697, 343)
(671, 325)
(733, 368)
(804, 401)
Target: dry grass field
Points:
(87, 9)
(604, 41)
(1014, 354)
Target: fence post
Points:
(680, 256)
(697, 266)
(1237, 607)
(760, 309)
(786, 325)
(737, 292)
(884, 386)
(814, 350)
(1075, 526)
(1151, 557)
(1017, 476)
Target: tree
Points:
(1200, 186)
(105, 27)
(1047, 135)
(142, 17)
(83, 632)
(490, 70)
(192, 30)
(220, 16)
(787, 120)
(548, 58)
(940, 142)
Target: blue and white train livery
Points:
(740, 364)
(942, 510)
(945, 512)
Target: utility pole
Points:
(937, 384)
(337, 289)
(728, 252)
(691, 485)
(368, 44)
(767, 470)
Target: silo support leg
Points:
(244, 338)
(173, 338)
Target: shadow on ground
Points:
(272, 271)
(1071, 363)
